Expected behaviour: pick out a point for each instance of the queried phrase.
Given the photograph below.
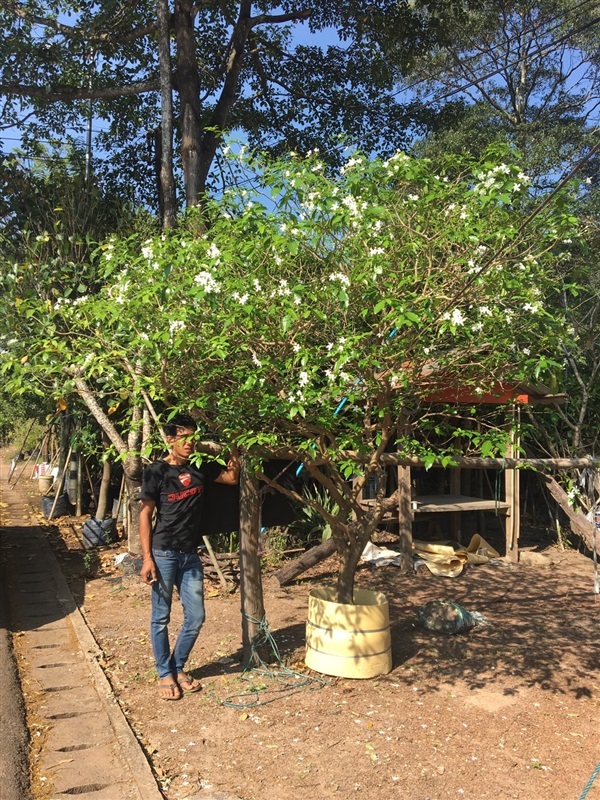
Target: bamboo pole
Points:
(215, 563)
(465, 462)
(39, 449)
(79, 493)
(31, 424)
(89, 477)
(120, 500)
(472, 462)
(60, 484)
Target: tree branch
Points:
(295, 16)
(60, 92)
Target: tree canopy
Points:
(319, 314)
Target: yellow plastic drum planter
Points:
(349, 641)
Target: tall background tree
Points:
(236, 66)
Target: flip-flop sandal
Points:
(175, 692)
(189, 685)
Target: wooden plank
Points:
(438, 503)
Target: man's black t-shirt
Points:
(177, 490)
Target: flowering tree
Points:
(317, 313)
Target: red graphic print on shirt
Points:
(185, 478)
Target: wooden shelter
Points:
(414, 507)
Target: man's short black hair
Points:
(179, 421)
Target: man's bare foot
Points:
(168, 689)
(188, 684)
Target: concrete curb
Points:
(14, 750)
(129, 746)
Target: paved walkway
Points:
(88, 748)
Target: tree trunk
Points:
(350, 553)
(188, 88)
(579, 524)
(218, 121)
(251, 591)
(307, 560)
(65, 435)
(167, 180)
(133, 482)
(101, 511)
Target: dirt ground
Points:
(509, 710)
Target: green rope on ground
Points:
(589, 783)
(259, 694)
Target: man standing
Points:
(174, 488)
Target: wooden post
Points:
(79, 493)
(250, 575)
(405, 518)
(455, 516)
(513, 496)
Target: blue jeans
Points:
(183, 570)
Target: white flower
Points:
(207, 282)
(456, 317)
(377, 225)
(484, 311)
(176, 325)
(257, 286)
(376, 251)
(523, 178)
(296, 347)
(588, 181)
(147, 251)
(527, 351)
(477, 327)
(303, 380)
(213, 251)
(351, 205)
(413, 197)
(341, 277)
(330, 345)
(352, 162)
(255, 360)
(533, 307)
(241, 298)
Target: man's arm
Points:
(148, 572)
(231, 474)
